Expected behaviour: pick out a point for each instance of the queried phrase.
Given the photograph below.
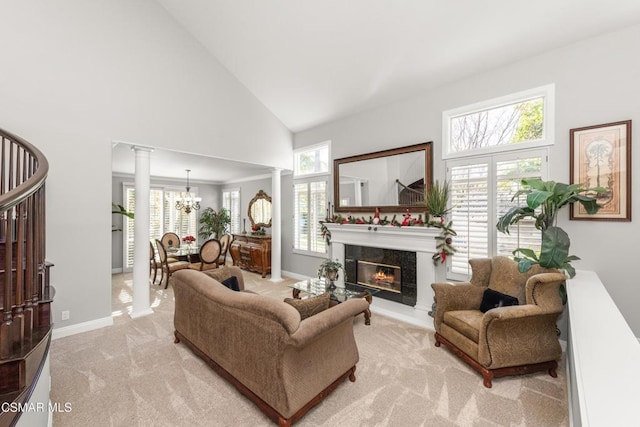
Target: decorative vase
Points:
(332, 275)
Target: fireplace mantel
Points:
(416, 239)
(419, 239)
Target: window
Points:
(163, 217)
(481, 192)
(231, 202)
(521, 120)
(310, 197)
(311, 160)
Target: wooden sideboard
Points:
(252, 253)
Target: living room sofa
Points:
(285, 365)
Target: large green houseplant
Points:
(544, 200)
(212, 222)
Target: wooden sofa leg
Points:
(554, 371)
(486, 380)
(352, 375)
(176, 340)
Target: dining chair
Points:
(154, 264)
(170, 240)
(225, 242)
(168, 268)
(209, 254)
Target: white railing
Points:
(603, 357)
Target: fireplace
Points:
(381, 276)
(417, 269)
(392, 272)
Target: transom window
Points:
(311, 160)
(520, 120)
(310, 198)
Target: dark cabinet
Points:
(252, 253)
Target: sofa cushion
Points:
(467, 322)
(309, 306)
(492, 299)
(231, 282)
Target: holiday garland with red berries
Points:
(444, 244)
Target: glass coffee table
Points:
(337, 294)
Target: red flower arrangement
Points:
(188, 239)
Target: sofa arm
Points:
(517, 335)
(459, 296)
(544, 290)
(322, 322)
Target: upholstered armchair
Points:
(507, 339)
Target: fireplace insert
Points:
(391, 271)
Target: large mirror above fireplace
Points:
(391, 180)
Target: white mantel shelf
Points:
(415, 238)
(420, 240)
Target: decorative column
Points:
(276, 226)
(141, 305)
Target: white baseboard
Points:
(81, 327)
(116, 270)
(295, 275)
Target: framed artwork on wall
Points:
(600, 156)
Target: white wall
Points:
(75, 75)
(597, 81)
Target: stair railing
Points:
(25, 297)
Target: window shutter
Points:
(301, 216)
(470, 214)
(509, 173)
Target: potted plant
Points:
(119, 209)
(544, 200)
(212, 222)
(436, 198)
(330, 270)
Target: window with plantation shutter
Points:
(310, 197)
(231, 202)
(310, 201)
(163, 217)
(481, 192)
(469, 198)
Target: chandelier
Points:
(186, 201)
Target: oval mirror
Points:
(260, 210)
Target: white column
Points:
(276, 226)
(141, 305)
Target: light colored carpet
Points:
(132, 374)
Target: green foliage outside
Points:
(530, 122)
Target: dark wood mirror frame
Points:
(261, 195)
(428, 177)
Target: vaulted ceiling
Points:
(314, 61)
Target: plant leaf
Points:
(528, 253)
(555, 248)
(514, 215)
(536, 197)
(524, 265)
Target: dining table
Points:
(188, 253)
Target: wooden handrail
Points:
(27, 187)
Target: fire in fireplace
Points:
(381, 276)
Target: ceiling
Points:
(314, 61)
(173, 164)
